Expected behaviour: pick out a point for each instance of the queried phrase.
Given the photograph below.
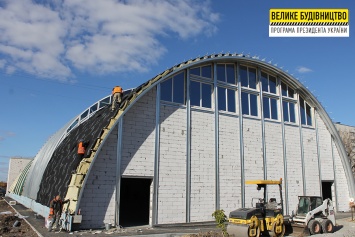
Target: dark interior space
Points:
(134, 205)
(327, 189)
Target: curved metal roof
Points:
(110, 119)
(140, 91)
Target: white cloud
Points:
(6, 134)
(51, 38)
(302, 69)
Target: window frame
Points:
(249, 93)
(248, 77)
(201, 84)
(172, 92)
(306, 119)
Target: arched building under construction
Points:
(182, 145)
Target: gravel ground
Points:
(8, 217)
(345, 228)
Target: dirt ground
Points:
(7, 221)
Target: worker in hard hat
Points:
(82, 148)
(55, 211)
(116, 96)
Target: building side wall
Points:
(341, 183)
(138, 138)
(172, 165)
(311, 162)
(16, 166)
(325, 151)
(253, 157)
(98, 201)
(229, 163)
(202, 166)
(274, 157)
(294, 165)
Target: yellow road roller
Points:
(265, 219)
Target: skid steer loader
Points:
(265, 219)
(314, 215)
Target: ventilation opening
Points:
(327, 189)
(134, 203)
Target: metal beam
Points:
(284, 146)
(241, 141)
(156, 157)
(118, 170)
(216, 135)
(188, 148)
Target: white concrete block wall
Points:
(229, 163)
(325, 150)
(311, 162)
(341, 183)
(274, 157)
(253, 157)
(172, 165)
(16, 166)
(98, 201)
(202, 166)
(294, 165)
(138, 139)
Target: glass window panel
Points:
(274, 109)
(284, 89)
(264, 82)
(272, 84)
(253, 105)
(244, 76)
(104, 102)
(252, 78)
(221, 73)
(195, 71)
(206, 71)
(230, 73)
(179, 89)
(285, 111)
(292, 113)
(308, 113)
(195, 93)
(302, 111)
(166, 90)
(266, 107)
(245, 103)
(93, 108)
(83, 115)
(291, 93)
(231, 101)
(206, 96)
(222, 99)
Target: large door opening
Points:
(134, 202)
(327, 189)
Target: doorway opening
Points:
(134, 201)
(327, 189)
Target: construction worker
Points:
(81, 148)
(116, 96)
(55, 211)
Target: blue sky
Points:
(59, 57)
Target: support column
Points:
(156, 157)
(188, 148)
(216, 134)
(118, 170)
(262, 124)
(284, 146)
(301, 145)
(242, 176)
(318, 155)
(335, 177)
